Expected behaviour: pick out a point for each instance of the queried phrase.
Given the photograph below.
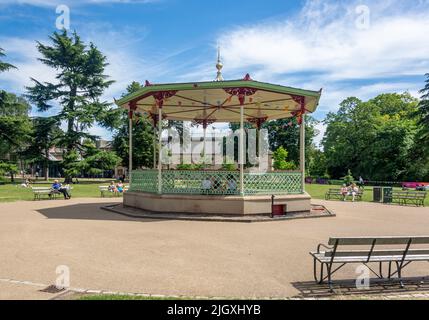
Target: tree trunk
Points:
(12, 178)
(46, 165)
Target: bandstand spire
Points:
(219, 66)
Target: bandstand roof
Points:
(220, 101)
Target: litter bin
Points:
(378, 194)
(387, 194)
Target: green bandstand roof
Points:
(220, 101)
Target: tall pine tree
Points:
(81, 82)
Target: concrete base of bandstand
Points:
(216, 205)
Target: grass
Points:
(318, 192)
(88, 188)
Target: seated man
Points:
(57, 187)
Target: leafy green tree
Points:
(143, 135)
(280, 157)
(317, 165)
(15, 129)
(349, 179)
(81, 83)
(3, 65)
(46, 134)
(374, 139)
(423, 114)
(96, 161)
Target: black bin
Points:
(378, 194)
(387, 194)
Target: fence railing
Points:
(216, 182)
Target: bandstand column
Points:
(159, 149)
(133, 107)
(154, 147)
(130, 145)
(241, 147)
(302, 151)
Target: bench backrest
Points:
(403, 246)
(378, 241)
(40, 188)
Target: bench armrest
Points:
(324, 246)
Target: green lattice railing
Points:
(217, 182)
(273, 183)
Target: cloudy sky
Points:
(348, 48)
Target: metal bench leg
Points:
(331, 288)
(399, 267)
(320, 280)
(390, 270)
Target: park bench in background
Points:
(407, 197)
(398, 252)
(46, 192)
(104, 191)
(43, 192)
(335, 194)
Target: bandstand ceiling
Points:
(220, 101)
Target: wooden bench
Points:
(104, 191)
(406, 197)
(336, 194)
(41, 192)
(396, 250)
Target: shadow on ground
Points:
(346, 288)
(87, 211)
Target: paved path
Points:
(105, 251)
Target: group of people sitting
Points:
(351, 190)
(212, 183)
(116, 188)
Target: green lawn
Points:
(87, 188)
(318, 192)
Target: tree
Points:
(3, 65)
(280, 160)
(285, 133)
(143, 135)
(45, 135)
(81, 82)
(423, 114)
(15, 129)
(375, 139)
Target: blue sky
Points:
(348, 48)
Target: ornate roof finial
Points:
(219, 66)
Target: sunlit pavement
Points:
(106, 251)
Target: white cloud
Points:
(324, 38)
(322, 47)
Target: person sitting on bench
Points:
(56, 186)
(344, 192)
(354, 190)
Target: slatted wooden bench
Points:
(41, 192)
(104, 191)
(46, 192)
(408, 197)
(396, 250)
(335, 194)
